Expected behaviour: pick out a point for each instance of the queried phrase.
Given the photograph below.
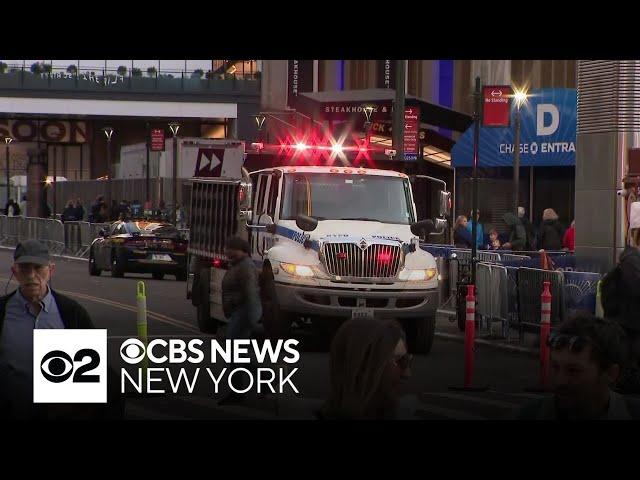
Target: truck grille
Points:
(214, 216)
(349, 260)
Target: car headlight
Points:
(418, 275)
(297, 270)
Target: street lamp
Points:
(7, 141)
(108, 132)
(174, 126)
(368, 111)
(520, 96)
(260, 118)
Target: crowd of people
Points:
(520, 234)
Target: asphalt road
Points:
(111, 303)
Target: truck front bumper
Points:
(335, 302)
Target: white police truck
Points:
(330, 243)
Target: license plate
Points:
(362, 313)
(161, 258)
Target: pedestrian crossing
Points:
(440, 405)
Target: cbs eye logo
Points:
(69, 366)
(57, 366)
(132, 351)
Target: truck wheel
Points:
(93, 270)
(117, 265)
(206, 323)
(420, 333)
(277, 324)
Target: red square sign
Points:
(157, 140)
(496, 106)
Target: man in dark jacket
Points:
(517, 234)
(69, 213)
(79, 209)
(96, 215)
(240, 294)
(34, 305)
(240, 299)
(528, 228)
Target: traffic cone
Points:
(469, 340)
(545, 331)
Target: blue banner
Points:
(547, 134)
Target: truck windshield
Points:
(332, 196)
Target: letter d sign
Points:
(541, 128)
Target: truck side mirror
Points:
(425, 226)
(444, 203)
(306, 223)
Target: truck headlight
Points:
(297, 270)
(418, 275)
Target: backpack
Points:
(611, 292)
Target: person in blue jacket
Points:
(479, 231)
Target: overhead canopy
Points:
(345, 104)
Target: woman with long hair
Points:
(368, 364)
(461, 236)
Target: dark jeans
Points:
(243, 323)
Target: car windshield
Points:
(332, 196)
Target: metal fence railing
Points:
(509, 286)
(70, 238)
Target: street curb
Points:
(499, 346)
(66, 257)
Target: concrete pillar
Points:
(36, 176)
(608, 126)
(274, 85)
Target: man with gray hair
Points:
(34, 304)
(528, 227)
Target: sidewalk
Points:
(448, 330)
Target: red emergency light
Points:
(384, 257)
(218, 263)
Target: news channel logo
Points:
(69, 366)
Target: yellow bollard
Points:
(142, 325)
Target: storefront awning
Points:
(347, 104)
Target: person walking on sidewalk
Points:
(240, 299)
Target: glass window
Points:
(329, 196)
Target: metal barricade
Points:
(511, 257)
(85, 238)
(492, 293)
(72, 243)
(13, 230)
(485, 256)
(530, 285)
(3, 229)
(52, 232)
